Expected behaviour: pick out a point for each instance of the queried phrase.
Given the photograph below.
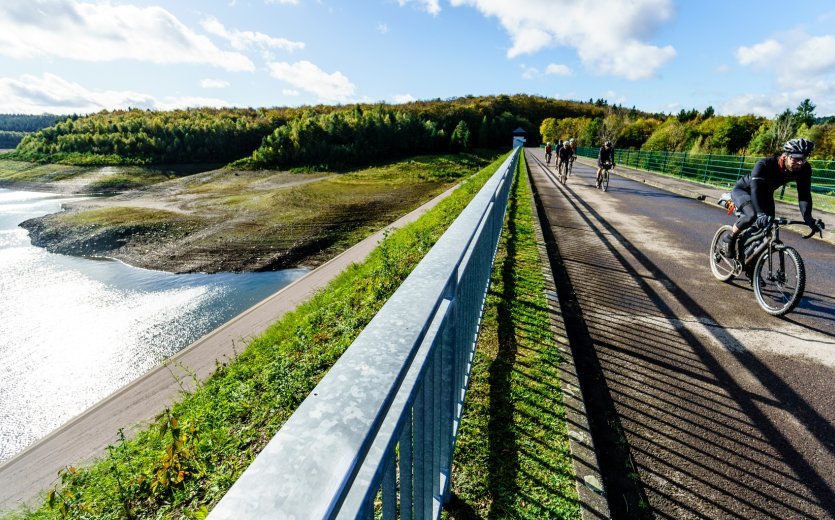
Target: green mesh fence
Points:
(721, 170)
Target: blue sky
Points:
(740, 57)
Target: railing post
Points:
(683, 164)
(707, 165)
(664, 165)
(739, 170)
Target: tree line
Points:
(341, 136)
(14, 127)
(697, 132)
(326, 136)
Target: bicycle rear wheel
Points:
(563, 173)
(605, 184)
(723, 268)
(779, 280)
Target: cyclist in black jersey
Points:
(605, 155)
(753, 194)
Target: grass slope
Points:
(512, 456)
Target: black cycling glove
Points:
(763, 220)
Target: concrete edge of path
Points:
(588, 479)
(710, 194)
(86, 436)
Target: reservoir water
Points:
(73, 330)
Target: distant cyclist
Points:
(604, 156)
(564, 155)
(548, 152)
(573, 147)
(753, 194)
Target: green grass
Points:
(265, 219)
(183, 464)
(512, 457)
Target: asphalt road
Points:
(727, 412)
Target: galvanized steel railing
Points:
(722, 170)
(381, 425)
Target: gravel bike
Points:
(604, 177)
(775, 270)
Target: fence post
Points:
(707, 165)
(739, 170)
(683, 163)
(664, 165)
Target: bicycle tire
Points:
(605, 184)
(722, 268)
(774, 292)
(562, 170)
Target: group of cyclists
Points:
(564, 150)
(566, 156)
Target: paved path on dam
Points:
(711, 407)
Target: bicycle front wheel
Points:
(779, 280)
(605, 184)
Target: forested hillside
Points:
(320, 136)
(334, 137)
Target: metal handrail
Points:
(384, 419)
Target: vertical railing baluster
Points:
(428, 443)
(448, 393)
(390, 488)
(406, 501)
(436, 425)
(419, 452)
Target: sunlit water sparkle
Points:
(73, 330)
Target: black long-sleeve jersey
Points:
(605, 155)
(767, 176)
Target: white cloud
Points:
(213, 83)
(283, 2)
(382, 28)
(802, 65)
(759, 54)
(243, 40)
(530, 72)
(291, 92)
(722, 69)
(403, 98)
(619, 50)
(52, 94)
(105, 32)
(334, 87)
(559, 70)
(432, 7)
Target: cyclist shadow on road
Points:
(814, 305)
(704, 439)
